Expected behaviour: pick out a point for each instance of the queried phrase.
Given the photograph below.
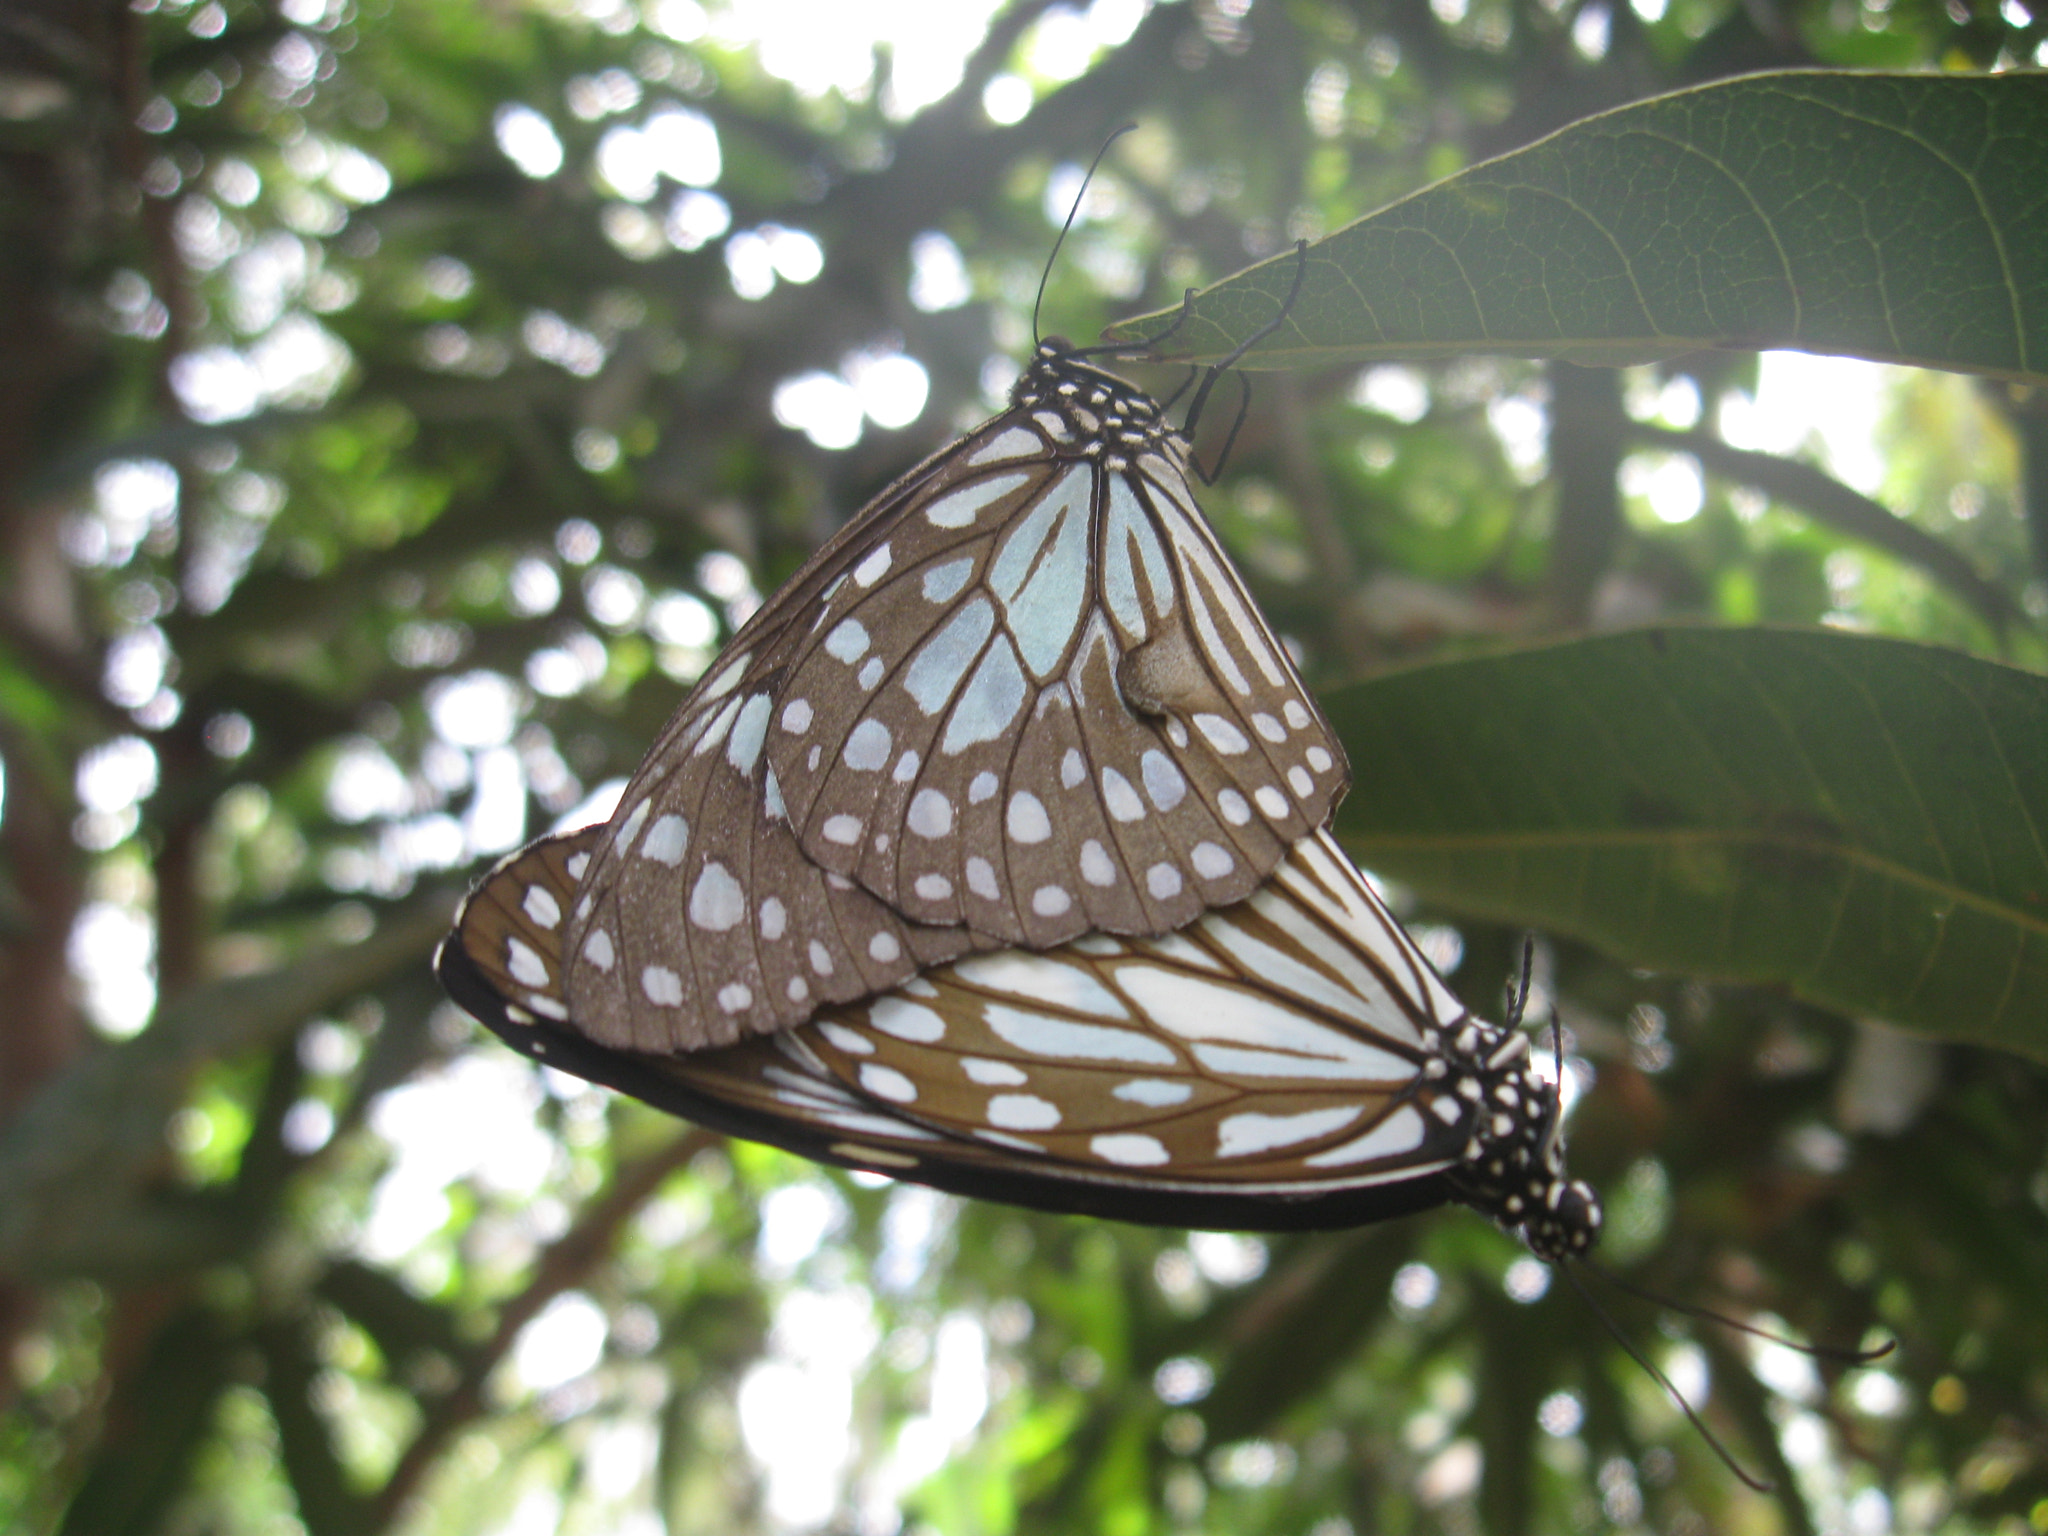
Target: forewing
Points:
(1045, 705)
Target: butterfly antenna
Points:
(1829, 1352)
(1518, 1001)
(1072, 214)
(1749, 1479)
(1216, 370)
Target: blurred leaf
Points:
(1884, 216)
(1863, 821)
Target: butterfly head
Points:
(1103, 414)
(1514, 1166)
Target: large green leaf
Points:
(1864, 821)
(1897, 217)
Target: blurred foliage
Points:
(401, 403)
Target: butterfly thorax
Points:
(1099, 415)
(1513, 1167)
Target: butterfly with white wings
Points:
(1289, 1061)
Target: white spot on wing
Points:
(907, 1021)
(662, 986)
(774, 918)
(1257, 1036)
(1242, 1135)
(728, 677)
(1163, 881)
(1222, 735)
(1163, 781)
(983, 787)
(851, 1041)
(843, 830)
(717, 903)
(1152, 1092)
(848, 641)
(1022, 1112)
(1050, 901)
(867, 746)
(1211, 861)
(735, 996)
(796, 716)
(525, 964)
(1042, 1035)
(539, 904)
(874, 567)
(1011, 443)
(666, 840)
(981, 878)
(943, 582)
(887, 1083)
(964, 505)
(992, 1074)
(1027, 820)
(597, 949)
(748, 732)
(1119, 798)
(931, 814)
(884, 949)
(1271, 801)
(1233, 807)
(1096, 865)
(1129, 1150)
(1401, 1132)
(933, 887)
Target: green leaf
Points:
(1896, 217)
(1863, 821)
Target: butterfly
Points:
(1288, 1061)
(1021, 697)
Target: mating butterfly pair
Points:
(991, 855)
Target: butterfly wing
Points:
(1292, 1046)
(1046, 706)
(1021, 697)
